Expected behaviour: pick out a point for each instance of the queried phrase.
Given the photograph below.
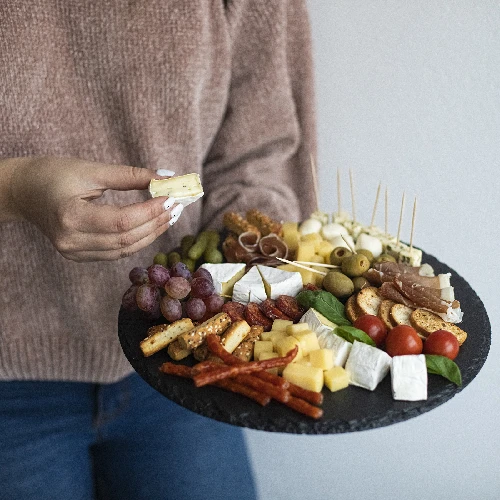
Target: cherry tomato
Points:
(443, 343)
(403, 339)
(373, 326)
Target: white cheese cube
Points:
(279, 282)
(340, 347)
(409, 377)
(367, 365)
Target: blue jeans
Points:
(68, 440)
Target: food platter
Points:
(349, 410)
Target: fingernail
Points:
(169, 202)
(176, 213)
(163, 172)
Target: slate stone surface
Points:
(352, 409)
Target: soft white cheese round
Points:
(310, 226)
(338, 241)
(329, 231)
(371, 243)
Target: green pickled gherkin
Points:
(186, 243)
(173, 258)
(190, 263)
(212, 254)
(161, 258)
(196, 251)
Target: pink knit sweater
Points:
(219, 88)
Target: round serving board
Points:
(351, 409)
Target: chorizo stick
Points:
(304, 407)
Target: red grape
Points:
(138, 275)
(171, 308)
(148, 298)
(202, 288)
(128, 300)
(177, 287)
(214, 303)
(201, 272)
(180, 269)
(158, 275)
(195, 308)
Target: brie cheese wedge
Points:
(250, 288)
(321, 326)
(279, 282)
(225, 276)
(186, 189)
(367, 365)
(341, 348)
(409, 377)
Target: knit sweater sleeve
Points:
(261, 155)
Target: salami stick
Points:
(252, 366)
(315, 398)
(281, 395)
(178, 370)
(234, 386)
(216, 348)
(304, 407)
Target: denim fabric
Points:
(71, 441)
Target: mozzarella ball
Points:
(310, 226)
(367, 242)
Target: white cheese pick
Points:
(367, 365)
(409, 377)
(186, 189)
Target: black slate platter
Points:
(349, 410)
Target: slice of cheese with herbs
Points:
(250, 288)
(186, 189)
(225, 276)
(409, 377)
(278, 282)
(367, 365)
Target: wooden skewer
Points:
(413, 223)
(386, 230)
(375, 205)
(301, 266)
(352, 196)
(315, 182)
(339, 197)
(348, 245)
(317, 264)
(400, 218)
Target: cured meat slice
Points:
(389, 291)
(273, 246)
(254, 316)
(289, 305)
(268, 307)
(249, 241)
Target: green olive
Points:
(360, 283)
(385, 257)
(355, 265)
(338, 254)
(338, 284)
(173, 258)
(161, 258)
(369, 255)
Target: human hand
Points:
(57, 195)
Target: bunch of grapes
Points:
(173, 292)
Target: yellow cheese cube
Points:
(281, 324)
(305, 251)
(317, 258)
(269, 355)
(304, 360)
(286, 344)
(266, 335)
(291, 235)
(308, 341)
(307, 377)
(261, 346)
(322, 358)
(336, 378)
(277, 335)
(298, 327)
(325, 249)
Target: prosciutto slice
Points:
(387, 271)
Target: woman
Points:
(95, 98)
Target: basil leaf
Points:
(441, 365)
(325, 303)
(351, 334)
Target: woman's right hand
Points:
(58, 194)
